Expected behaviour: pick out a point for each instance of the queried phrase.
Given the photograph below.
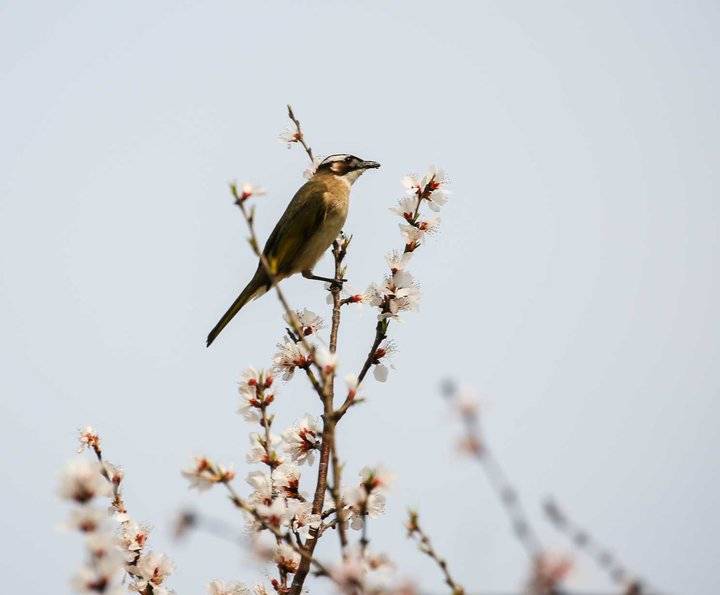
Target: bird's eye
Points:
(348, 159)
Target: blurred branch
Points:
(585, 543)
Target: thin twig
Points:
(299, 133)
(414, 531)
(380, 334)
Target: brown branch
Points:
(337, 498)
(380, 334)
(415, 532)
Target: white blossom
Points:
(87, 519)
(397, 261)
(220, 588)
(254, 397)
(275, 514)
(434, 190)
(133, 536)
(289, 356)
(430, 187)
(376, 478)
(310, 323)
(286, 480)
(325, 359)
(246, 190)
(259, 450)
(303, 519)
(360, 503)
(82, 481)
(302, 439)
(286, 557)
(312, 168)
(406, 207)
(205, 473)
(91, 579)
(349, 575)
(151, 568)
(398, 293)
(262, 485)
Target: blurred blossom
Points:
(82, 481)
(220, 588)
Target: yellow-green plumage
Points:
(310, 223)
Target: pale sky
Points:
(574, 282)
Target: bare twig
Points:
(415, 532)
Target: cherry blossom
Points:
(310, 323)
(302, 439)
(289, 357)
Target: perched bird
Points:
(307, 228)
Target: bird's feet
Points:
(336, 282)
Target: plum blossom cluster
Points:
(367, 500)
(276, 504)
(399, 291)
(117, 558)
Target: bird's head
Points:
(346, 167)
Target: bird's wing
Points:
(301, 219)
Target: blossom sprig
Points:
(262, 449)
(245, 191)
(366, 500)
(205, 473)
(295, 135)
(115, 541)
(431, 188)
(255, 394)
(398, 293)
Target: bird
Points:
(311, 222)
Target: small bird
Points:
(307, 228)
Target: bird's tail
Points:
(257, 286)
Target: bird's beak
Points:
(369, 165)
